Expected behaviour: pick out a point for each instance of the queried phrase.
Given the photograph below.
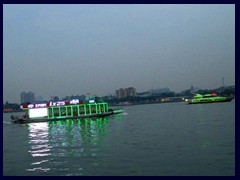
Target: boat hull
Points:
(210, 101)
(16, 120)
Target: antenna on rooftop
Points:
(192, 89)
(223, 82)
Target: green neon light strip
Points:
(59, 112)
(85, 109)
(99, 108)
(78, 107)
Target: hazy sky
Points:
(74, 49)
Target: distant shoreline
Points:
(142, 103)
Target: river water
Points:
(168, 139)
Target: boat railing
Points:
(77, 110)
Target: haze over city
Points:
(60, 50)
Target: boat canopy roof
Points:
(205, 95)
(198, 96)
(90, 98)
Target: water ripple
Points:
(39, 169)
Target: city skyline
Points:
(57, 50)
(39, 98)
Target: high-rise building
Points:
(126, 92)
(118, 94)
(131, 92)
(27, 97)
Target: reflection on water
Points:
(52, 142)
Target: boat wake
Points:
(124, 113)
(6, 122)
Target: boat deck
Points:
(16, 120)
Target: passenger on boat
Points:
(75, 113)
(25, 115)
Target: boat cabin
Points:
(63, 109)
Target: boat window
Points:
(81, 109)
(105, 107)
(56, 112)
(63, 111)
(87, 109)
(75, 111)
(101, 109)
(69, 112)
(93, 108)
(50, 112)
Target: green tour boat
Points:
(208, 98)
(62, 110)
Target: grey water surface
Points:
(167, 139)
